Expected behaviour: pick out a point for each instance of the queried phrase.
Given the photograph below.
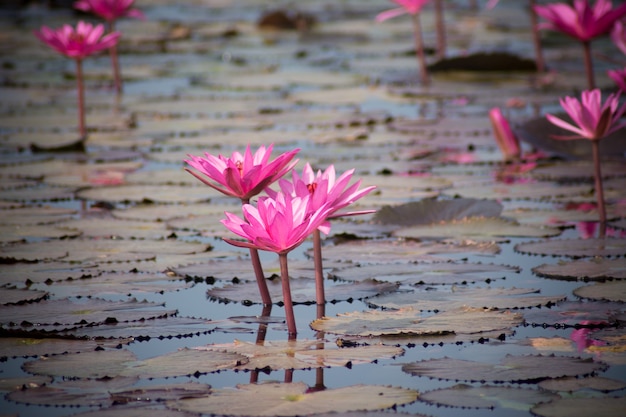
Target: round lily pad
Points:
(168, 194)
(575, 248)
(579, 407)
(594, 269)
(492, 397)
(571, 384)
(608, 291)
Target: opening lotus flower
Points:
(278, 225)
(111, 10)
(505, 138)
(78, 43)
(244, 176)
(413, 8)
(583, 22)
(619, 76)
(593, 120)
(324, 189)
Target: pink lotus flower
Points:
(505, 138)
(413, 8)
(242, 176)
(618, 36)
(583, 22)
(619, 76)
(78, 43)
(594, 121)
(278, 225)
(109, 10)
(407, 7)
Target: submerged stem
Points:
(284, 278)
(595, 147)
(419, 49)
(81, 98)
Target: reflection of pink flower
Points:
(587, 230)
(78, 43)
(619, 76)
(505, 138)
(109, 10)
(581, 336)
(581, 21)
(242, 176)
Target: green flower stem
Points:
(419, 49)
(319, 273)
(81, 99)
(284, 277)
(589, 65)
(595, 147)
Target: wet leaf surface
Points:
(486, 396)
(273, 399)
(519, 369)
(595, 269)
(578, 407)
(574, 248)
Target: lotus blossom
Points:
(618, 36)
(583, 22)
(324, 189)
(78, 43)
(278, 225)
(111, 10)
(413, 8)
(242, 176)
(505, 138)
(619, 76)
(593, 120)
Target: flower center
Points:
(311, 187)
(77, 37)
(239, 166)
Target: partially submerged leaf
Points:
(580, 407)
(571, 384)
(519, 369)
(492, 397)
(575, 248)
(594, 269)
(607, 291)
(274, 399)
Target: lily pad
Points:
(15, 347)
(28, 273)
(425, 273)
(112, 363)
(444, 300)
(168, 194)
(579, 407)
(492, 397)
(408, 321)
(475, 228)
(274, 399)
(571, 384)
(577, 171)
(434, 211)
(302, 291)
(523, 191)
(308, 354)
(607, 291)
(575, 248)
(15, 296)
(518, 369)
(594, 269)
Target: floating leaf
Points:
(410, 322)
(579, 407)
(529, 191)
(467, 396)
(477, 228)
(112, 363)
(116, 229)
(595, 269)
(24, 347)
(519, 369)
(274, 399)
(607, 291)
(572, 313)
(277, 355)
(302, 291)
(571, 384)
(425, 273)
(575, 248)
(31, 215)
(28, 273)
(577, 171)
(168, 194)
(15, 296)
(444, 300)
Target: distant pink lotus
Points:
(111, 10)
(505, 138)
(583, 22)
(278, 225)
(78, 43)
(619, 76)
(242, 176)
(618, 36)
(413, 8)
(593, 120)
